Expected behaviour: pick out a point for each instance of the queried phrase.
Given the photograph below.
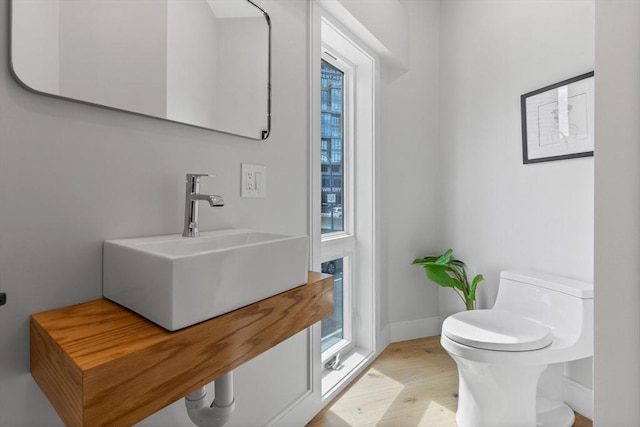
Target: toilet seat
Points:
(496, 330)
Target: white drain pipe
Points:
(221, 408)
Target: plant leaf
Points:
(425, 260)
(457, 262)
(439, 274)
(445, 258)
(474, 284)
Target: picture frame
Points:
(557, 120)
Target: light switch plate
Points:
(254, 181)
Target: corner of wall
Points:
(414, 329)
(384, 28)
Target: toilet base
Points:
(551, 411)
(496, 395)
(553, 414)
(510, 396)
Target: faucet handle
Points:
(193, 182)
(191, 177)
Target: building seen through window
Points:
(332, 146)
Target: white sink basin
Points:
(177, 281)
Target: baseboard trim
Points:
(383, 340)
(578, 397)
(414, 329)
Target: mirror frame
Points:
(264, 134)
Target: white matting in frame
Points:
(557, 120)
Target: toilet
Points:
(511, 358)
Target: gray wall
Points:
(617, 214)
(72, 176)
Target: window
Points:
(336, 329)
(333, 86)
(333, 327)
(343, 223)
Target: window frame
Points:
(347, 342)
(347, 142)
(342, 244)
(369, 339)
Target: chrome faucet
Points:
(192, 197)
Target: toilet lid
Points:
(496, 330)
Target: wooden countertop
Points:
(101, 364)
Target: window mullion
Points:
(339, 247)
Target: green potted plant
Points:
(450, 273)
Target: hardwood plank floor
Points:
(411, 384)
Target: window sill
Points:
(353, 363)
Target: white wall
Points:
(132, 79)
(221, 81)
(192, 67)
(242, 75)
(382, 24)
(617, 215)
(35, 53)
(72, 175)
(409, 178)
(497, 213)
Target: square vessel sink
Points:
(177, 281)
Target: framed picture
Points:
(557, 120)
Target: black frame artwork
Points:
(557, 120)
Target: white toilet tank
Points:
(563, 304)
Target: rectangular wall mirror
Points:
(204, 63)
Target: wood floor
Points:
(411, 384)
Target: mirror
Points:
(204, 63)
